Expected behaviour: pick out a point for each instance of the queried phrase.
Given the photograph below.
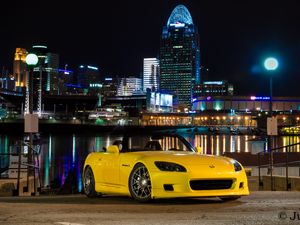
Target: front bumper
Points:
(178, 184)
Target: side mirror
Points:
(199, 150)
(113, 149)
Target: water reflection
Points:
(218, 144)
(62, 157)
(288, 140)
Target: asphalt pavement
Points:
(259, 208)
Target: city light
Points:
(253, 98)
(39, 46)
(271, 63)
(92, 67)
(31, 59)
(180, 15)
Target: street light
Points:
(31, 60)
(271, 64)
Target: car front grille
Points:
(210, 184)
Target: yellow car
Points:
(162, 166)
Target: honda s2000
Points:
(162, 166)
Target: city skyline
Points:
(234, 37)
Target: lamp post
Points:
(271, 64)
(31, 120)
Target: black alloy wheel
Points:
(140, 183)
(89, 183)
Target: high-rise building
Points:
(150, 74)
(129, 86)
(45, 77)
(65, 78)
(51, 81)
(180, 56)
(109, 86)
(88, 77)
(20, 68)
(7, 81)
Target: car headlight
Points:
(237, 166)
(168, 166)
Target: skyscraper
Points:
(150, 74)
(89, 79)
(51, 81)
(19, 68)
(65, 78)
(180, 56)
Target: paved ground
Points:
(258, 208)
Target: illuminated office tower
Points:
(65, 79)
(7, 81)
(50, 84)
(20, 68)
(45, 77)
(150, 74)
(88, 77)
(180, 56)
(129, 86)
(110, 86)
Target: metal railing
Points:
(32, 169)
(271, 164)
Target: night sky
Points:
(235, 37)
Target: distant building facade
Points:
(180, 56)
(213, 88)
(151, 74)
(246, 104)
(65, 78)
(129, 86)
(159, 102)
(109, 86)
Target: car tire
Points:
(140, 183)
(89, 183)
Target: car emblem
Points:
(212, 166)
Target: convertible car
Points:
(162, 166)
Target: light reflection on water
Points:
(62, 157)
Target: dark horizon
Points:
(235, 37)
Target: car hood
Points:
(185, 158)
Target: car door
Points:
(110, 168)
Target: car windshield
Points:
(156, 142)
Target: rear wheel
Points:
(140, 183)
(89, 183)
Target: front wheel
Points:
(89, 183)
(140, 183)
